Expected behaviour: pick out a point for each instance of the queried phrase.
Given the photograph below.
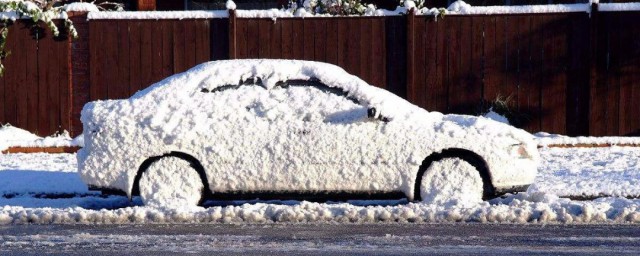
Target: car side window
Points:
(313, 101)
(290, 100)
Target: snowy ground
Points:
(28, 181)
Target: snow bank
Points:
(545, 139)
(618, 7)
(522, 208)
(15, 137)
(81, 7)
(40, 174)
(589, 172)
(157, 15)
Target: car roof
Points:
(215, 74)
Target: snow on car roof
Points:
(215, 74)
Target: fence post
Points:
(78, 71)
(232, 34)
(411, 44)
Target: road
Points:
(321, 239)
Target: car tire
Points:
(171, 182)
(451, 180)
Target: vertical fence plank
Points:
(167, 47)
(253, 46)
(21, 81)
(474, 78)
(64, 112)
(264, 35)
(297, 37)
(526, 104)
(320, 36)
(110, 67)
(332, 41)
(287, 38)
(377, 51)
(203, 50)
(31, 84)
(178, 48)
(135, 67)
(54, 86)
(365, 50)
(308, 30)
(44, 82)
(189, 43)
(124, 56)
(343, 38)
(275, 50)
(156, 53)
(146, 54)
(629, 79)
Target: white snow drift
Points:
(251, 132)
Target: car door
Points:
(329, 143)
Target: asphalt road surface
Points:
(321, 239)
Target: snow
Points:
(81, 7)
(451, 181)
(563, 172)
(546, 139)
(36, 174)
(589, 172)
(257, 137)
(496, 117)
(462, 8)
(230, 5)
(618, 7)
(15, 137)
(158, 15)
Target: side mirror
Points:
(372, 113)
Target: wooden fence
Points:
(567, 73)
(35, 88)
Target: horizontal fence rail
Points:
(569, 73)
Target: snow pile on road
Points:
(522, 208)
(15, 137)
(545, 139)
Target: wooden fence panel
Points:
(133, 54)
(34, 90)
(358, 44)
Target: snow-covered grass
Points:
(15, 137)
(563, 172)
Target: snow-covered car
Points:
(282, 128)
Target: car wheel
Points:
(451, 180)
(171, 182)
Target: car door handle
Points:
(303, 132)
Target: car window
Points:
(291, 100)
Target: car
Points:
(282, 129)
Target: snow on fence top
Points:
(158, 15)
(617, 7)
(462, 8)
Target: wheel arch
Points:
(470, 157)
(193, 162)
